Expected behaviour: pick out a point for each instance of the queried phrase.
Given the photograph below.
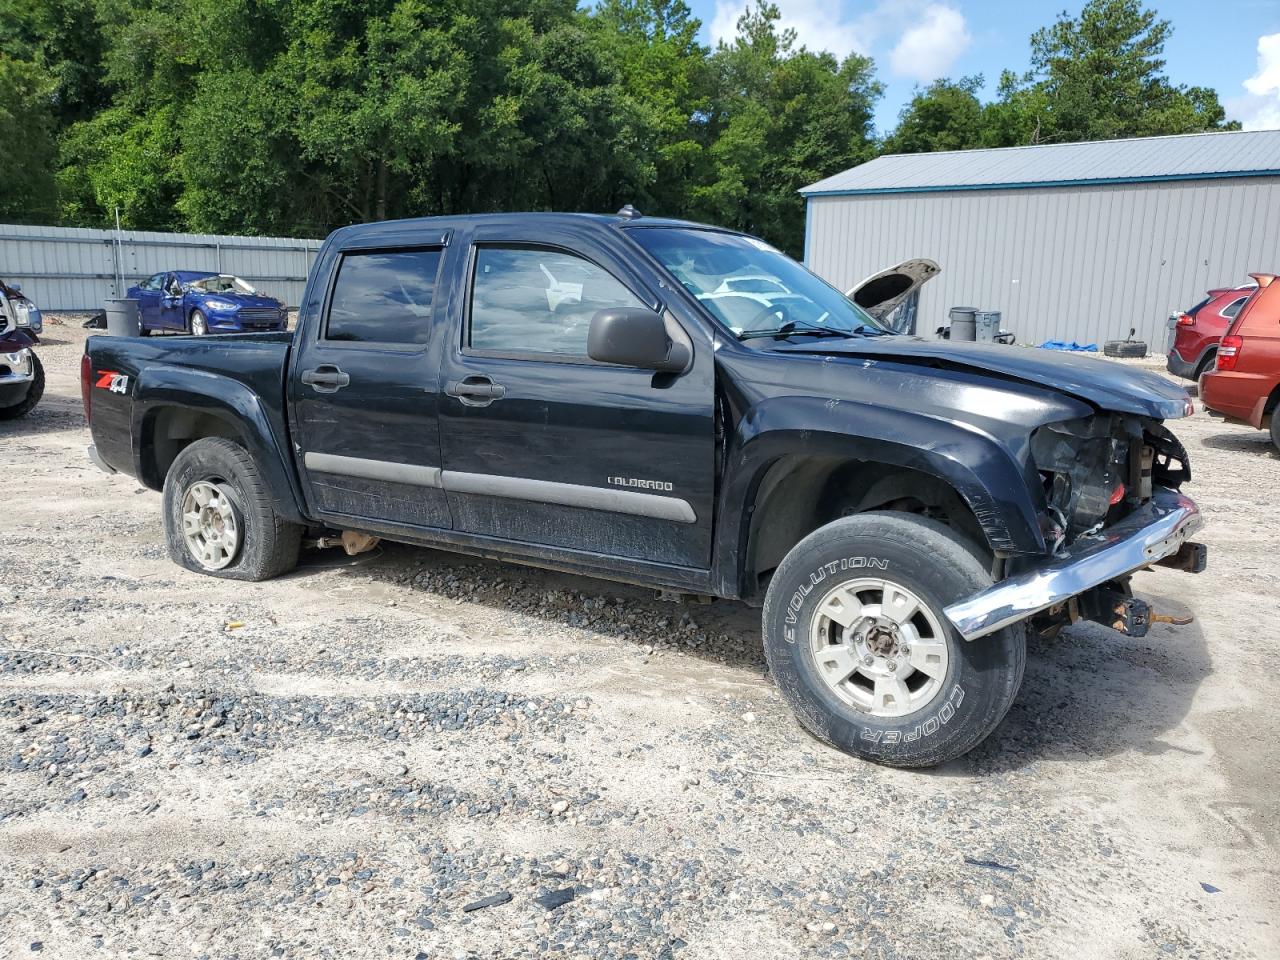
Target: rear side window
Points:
(533, 300)
(1232, 308)
(384, 296)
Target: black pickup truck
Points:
(684, 407)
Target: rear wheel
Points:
(218, 518)
(199, 324)
(1275, 428)
(34, 393)
(859, 646)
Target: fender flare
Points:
(993, 478)
(161, 387)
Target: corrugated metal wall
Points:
(67, 268)
(1070, 263)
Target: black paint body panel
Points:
(950, 410)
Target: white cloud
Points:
(818, 25)
(928, 49)
(1259, 107)
(924, 37)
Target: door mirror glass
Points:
(635, 337)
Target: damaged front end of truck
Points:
(1113, 507)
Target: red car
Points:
(1245, 386)
(1197, 331)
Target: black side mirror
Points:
(635, 337)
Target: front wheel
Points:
(859, 646)
(1275, 429)
(34, 393)
(199, 324)
(218, 518)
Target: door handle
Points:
(476, 391)
(326, 378)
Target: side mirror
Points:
(15, 287)
(635, 337)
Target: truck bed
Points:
(250, 365)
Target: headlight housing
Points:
(27, 316)
(220, 305)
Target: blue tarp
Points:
(1072, 347)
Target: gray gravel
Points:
(420, 755)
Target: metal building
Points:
(74, 268)
(1073, 241)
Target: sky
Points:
(1230, 45)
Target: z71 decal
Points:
(115, 382)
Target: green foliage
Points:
(297, 116)
(780, 117)
(27, 147)
(946, 115)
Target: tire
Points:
(974, 684)
(1206, 364)
(1125, 348)
(198, 325)
(265, 545)
(34, 393)
(1275, 428)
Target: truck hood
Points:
(1107, 385)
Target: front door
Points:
(171, 315)
(543, 445)
(363, 392)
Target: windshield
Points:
(224, 284)
(750, 287)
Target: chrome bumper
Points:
(1154, 531)
(21, 369)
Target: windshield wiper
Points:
(791, 328)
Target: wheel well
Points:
(1206, 360)
(800, 494)
(1273, 401)
(170, 430)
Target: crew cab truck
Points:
(596, 394)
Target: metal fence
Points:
(74, 268)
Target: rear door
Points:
(543, 445)
(363, 390)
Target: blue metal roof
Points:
(1197, 156)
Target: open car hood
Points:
(1107, 385)
(881, 293)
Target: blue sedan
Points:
(199, 302)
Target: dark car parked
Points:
(200, 302)
(1197, 331)
(599, 394)
(21, 374)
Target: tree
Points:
(663, 71)
(946, 115)
(27, 149)
(1101, 76)
(781, 117)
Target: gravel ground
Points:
(413, 754)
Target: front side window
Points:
(384, 297)
(750, 287)
(534, 300)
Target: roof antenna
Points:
(629, 212)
